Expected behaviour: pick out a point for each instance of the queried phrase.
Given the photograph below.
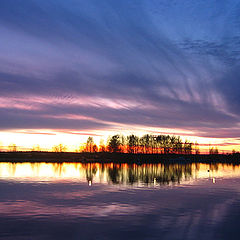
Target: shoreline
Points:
(106, 157)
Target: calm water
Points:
(111, 201)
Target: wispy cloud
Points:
(149, 63)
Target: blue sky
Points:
(95, 65)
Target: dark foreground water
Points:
(111, 201)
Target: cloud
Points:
(119, 62)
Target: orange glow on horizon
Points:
(73, 139)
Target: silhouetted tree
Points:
(122, 143)
(166, 143)
(132, 144)
(179, 145)
(114, 143)
(213, 150)
(197, 151)
(89, 145)
(146, 142)
(187, 147)
(95, 148)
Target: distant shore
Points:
(106, 157)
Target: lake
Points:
(119, 201)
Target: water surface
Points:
(117, 201)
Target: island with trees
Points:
(120, 148)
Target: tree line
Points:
(133, 144)
(147, 144)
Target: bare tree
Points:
(197, 151)
(213, 150)
(59, 148)
(12, 148)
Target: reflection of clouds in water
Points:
(179, 213)
(35, 209)
(199, 219)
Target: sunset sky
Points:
(70, 69)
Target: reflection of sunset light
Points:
(90, 183)
(96, 173)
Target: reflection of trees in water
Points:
(213, 167)
(120, 173)
(35, 167)
(91, 170)
(13, 168)
(162, 174)
(114, 174)
(58, 168)
(147, 173)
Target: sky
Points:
(70, 69)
